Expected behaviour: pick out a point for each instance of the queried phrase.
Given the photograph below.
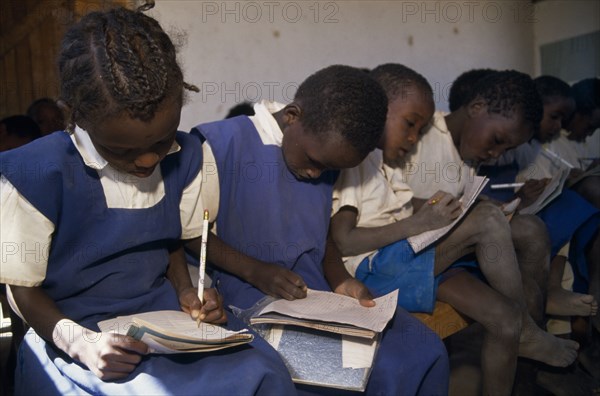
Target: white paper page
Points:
(332, 307)
(172, 321)
(552, 190)
(472, 190)
(358, 352)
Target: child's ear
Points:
(291, 113)
(476, 107)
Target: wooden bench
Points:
(444, 320)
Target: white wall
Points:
(557, 20)
(247, 50)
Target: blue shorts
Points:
(396, 266)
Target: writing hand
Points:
(211, 311)
(530, 191)
(354, 288)
(439, 211)
(277, 281)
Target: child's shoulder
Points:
(54, 149)
(228, 125)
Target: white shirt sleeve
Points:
(25, 235)
(202, 193)
(347, 190)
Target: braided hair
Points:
(117, 61)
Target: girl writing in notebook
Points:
(107, 203)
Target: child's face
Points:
(407, 116)
(556, 110)
(307, 155)
(582, 126)
(134, 146)
(488, 135)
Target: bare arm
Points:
(177, 272)
(270, 278)
(340, 280)
(352, 240)
(108, 356)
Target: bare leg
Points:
(593, 261)
(501, 319)
(532, 246)
(487, 230)
(564, 302)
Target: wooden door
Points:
(30, 36)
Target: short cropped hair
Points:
(507, 92)
(550, 86)
(463, 84)
(395, 78)
(587, 95)
(344, 100)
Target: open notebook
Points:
(326, 339)
(472, 189)
(552, 190)
(175, 332)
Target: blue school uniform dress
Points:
(268, 214)
(568, 218)
(104, 262)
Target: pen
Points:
(202, 268)
(556, 156)
(506, 185)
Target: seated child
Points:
(373, 216)
(15, 131)
(96, 216)
(571, 146)
(568, 216)
(502, 111)
(275, 185)
(48, 115)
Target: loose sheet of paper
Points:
(358, 352)
(332, 307)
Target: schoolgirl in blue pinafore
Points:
(105, 262)
(266, 213)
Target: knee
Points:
(506, 320)
(530, 232)
(490, 218)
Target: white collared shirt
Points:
(30, 229)
(435, 163)
(377, 192)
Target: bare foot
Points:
(538, 345)
(567, 303)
